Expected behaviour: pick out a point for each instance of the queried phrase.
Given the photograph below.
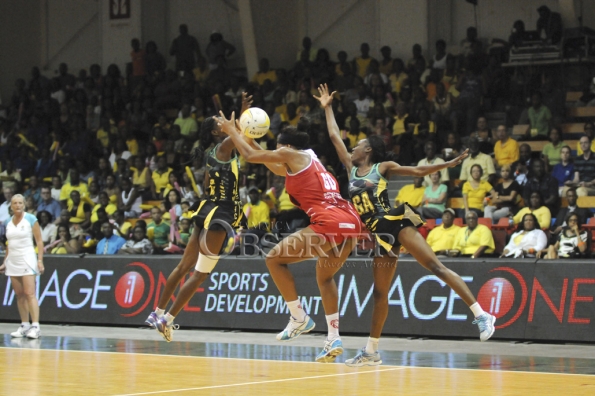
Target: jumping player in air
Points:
(368, 181)
(219, 213)
(334, 227)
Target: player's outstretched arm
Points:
(249, 153)
(326, 101)
(277, 169)
(390, 168)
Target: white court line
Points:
(297, 361)
(258, 382)
(168, 355)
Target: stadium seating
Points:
(581, 112)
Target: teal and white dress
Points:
(21, 259)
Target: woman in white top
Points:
(48, 229)
(528, 240)
(572, 241)
(22, 267)
(130, 199)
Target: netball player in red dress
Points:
(333, 231)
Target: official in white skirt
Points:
(22, 264)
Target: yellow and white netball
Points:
(255, 123)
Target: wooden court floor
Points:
(30, 367)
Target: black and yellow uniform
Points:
(223, 203)
(369, 195)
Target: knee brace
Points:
(206, 263)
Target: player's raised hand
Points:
(457, 161)
(246, 102)
(227, 126)
(325, 98)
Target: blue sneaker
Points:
(166, 329)
(485, 323)
(294, 329)
(152, 320)
(364, 359)
(331, 350)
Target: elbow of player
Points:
(248, 156)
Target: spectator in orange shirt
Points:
(138, 59)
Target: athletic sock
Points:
(296, 310)
(476, 309)
(372, 345)
(169, 318)
(332, 322)
(159, 311)
(25, 325)
(35, 324)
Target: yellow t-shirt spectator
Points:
(431, 128)
(483, 160)
(441, 238)
(141, 179)
(258, 214)
(132, 146)
(543, 214)
(400, 125)
(282, 111)
(506, 153)
(411, 195)
(468, 242)
(260, 78)
(109, 209)
(353, 139)
(68, 188)
(188, 126)
(284, 201)
(200, 75)
(361, 65)
(103, 137)
(396, 82)
(475, 196)
(161, 180)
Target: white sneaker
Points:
(21, 332)
(332, 349)
(294, 329)
(364, 359)
(34, 332)
(485, 322)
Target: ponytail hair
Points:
(378, 148)
(298, 136)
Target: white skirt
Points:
(21, 264)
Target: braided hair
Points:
(206, 138)
(378, 148)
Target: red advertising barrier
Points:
(531, 300)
